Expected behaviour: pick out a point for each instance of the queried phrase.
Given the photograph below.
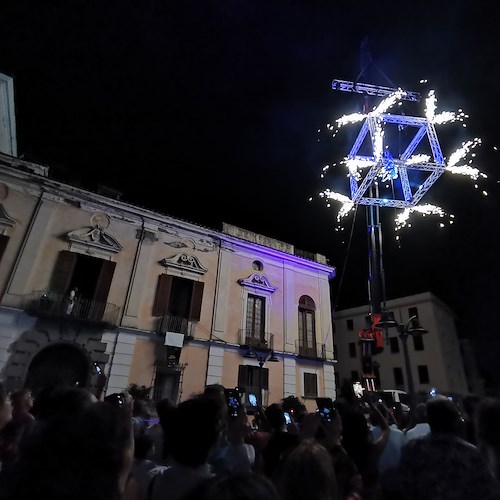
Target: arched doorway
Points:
(58, 365)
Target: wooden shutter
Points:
(310, 385)
(243, 376)
(3, 244)
(63, 271)
(195, 308)
(162, 296)
(104, 281)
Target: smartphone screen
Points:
(357, 389)
(326, 409)
(233, 402)
(288, 419)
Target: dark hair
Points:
(78, 456)
(61, 402)
(308, 472)
(143, 446)
(443, 416)
(17, 397)
(275, 416)
(249, 486)
(195, 421)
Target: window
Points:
(394, 342)
(310, 385)
(257, 265)
(166, 385)
(350, 325)
(3, 244)
(179, 299)
(398, 377)
(249, 376)
(355, 376)
(352, 349)
(307, 326)
(423, 374)
(255, 320)
(413, 311)
(418, 342)
(89, 277)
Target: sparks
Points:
(402, 218)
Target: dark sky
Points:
(209, 111)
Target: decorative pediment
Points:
(5, 219)
(95, 237)
(258, 281)
(184, 262)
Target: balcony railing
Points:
(48, 303)
(257, 340)
(176, 324)
(313, 351)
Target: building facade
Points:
(435, 358)
(98, 293)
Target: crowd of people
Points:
(64, 444)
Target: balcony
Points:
(312, 351)
(176, 324)
(257, 340)
(57, 305)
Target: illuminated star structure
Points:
(378, 177)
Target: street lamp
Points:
(411, 328)
(261, 359)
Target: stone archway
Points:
(61, 364)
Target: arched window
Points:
(307, 327)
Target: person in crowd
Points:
(5, 407)
(441, 465)
(307, 473)
(61, 401)
(361, 446)
(248, 486)
(192, 435)
(470, 403)
(140, 416)
(419, 426)
(164, 409)
(15, 430)
(239, 457)
(142, 464)
(391, 454)
(488, 433)
(84, 456)
(329, 435)
(280, 443)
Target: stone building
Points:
(98, 293)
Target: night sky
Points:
(216, 111)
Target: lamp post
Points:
(261, 359)
(411, 328)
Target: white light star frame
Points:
(380, 165)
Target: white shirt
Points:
(420, 430)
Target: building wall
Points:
(441, 353)
(46, 217)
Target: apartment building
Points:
(435, 358)
(102, 294)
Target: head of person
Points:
(443, 416)
(488, 421)
(61, 402)
(22, 400)
(308, 472)
(143, 447)
(84, 455)
(164, 409)
(194, 431)
(249, 486)
(275, 416)
(420, 414)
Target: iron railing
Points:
(255, 339)
(48, 303)
(175, 324)
(313, 351)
